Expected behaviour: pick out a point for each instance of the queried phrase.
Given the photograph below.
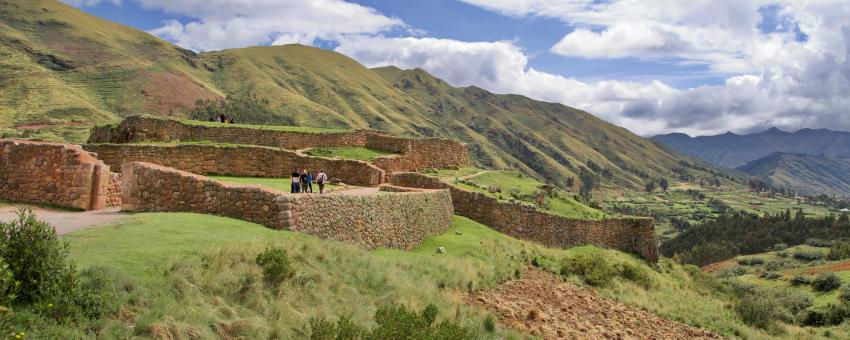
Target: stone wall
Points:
(415, 153)
(636, 235)
(395, 220)
(52, 173)
(113, 190)
(236, 161)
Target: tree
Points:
(650, 186)
(664, 184)
(588, 183)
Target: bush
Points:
(806, 255)
(397, 322)
(490, 323)
(595, 270)
(321, 329)
(770, 275)
(276, 266)
(762, 307)
(751, 261)
(800, 280)
(779, 247)
(839, 251)
(39, 262)
(8, 285)
(825, 316)
(781, 264)
(816, 242)
(844, 295)
(826, 281)
(759, 311)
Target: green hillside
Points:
(807, 174)
(65, 70)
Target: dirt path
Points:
(463, 178)
(65, 221)
(541, 304)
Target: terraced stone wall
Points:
(52, 173)
(635, 235)
(415, 154)
(384, 220)
(236, 161)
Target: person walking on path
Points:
(309, 182)
(321, 178)
(303, 178)
(296, 179)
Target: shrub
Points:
(806, 255)
(826, 281)
(800, 280)
(770, 275)
(762, 307)
(825, 316)
(397, 322)
(779, 247)
(490, 323)
(8, 285)
(321, 329)
(839, 251)
(844, 295)
(276, 266)
(816, 242)
(730, 272)
(759, 311)
(751, 261)
(595, 270)
(781, 264)
(39, 262)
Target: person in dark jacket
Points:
(296, 180)
(303, 179)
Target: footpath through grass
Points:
(349, 152)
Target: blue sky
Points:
(654, 66)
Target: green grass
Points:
(265, 127)
(190, 269)
(280, 184)
(508, 181)
(349, 152)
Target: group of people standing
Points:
(302, 182)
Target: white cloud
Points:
(220, 24)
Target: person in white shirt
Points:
(321, 178)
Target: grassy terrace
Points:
(264, 127)
(517, 186)
(280, 184)
(349, 152)
(190, 273)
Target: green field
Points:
(264, 127)
(679, 204)
(349, 152)
(280, 184)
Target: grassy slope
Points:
(188, 270)
(114, 70)
(280, 184)
(61, 65)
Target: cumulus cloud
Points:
(220, 24)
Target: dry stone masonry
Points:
(52, 173)
(636, 235)
(253, 161)
(394, 220)
(415, 154)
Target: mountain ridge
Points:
(733, 150)
(78, 73)
(807, 174)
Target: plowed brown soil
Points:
(542, 304)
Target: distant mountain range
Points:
(807, 174)
(732, 150)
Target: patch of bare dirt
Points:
(542, 304)
(166, 91)
(833, 267)
(710, 268)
